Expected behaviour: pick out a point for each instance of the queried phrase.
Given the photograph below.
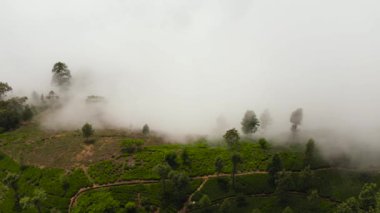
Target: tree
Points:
(87, 130)
(171, 159)
(226, 206)
(204, 202)
(186, 161)
(11, 110)
(250, 123)
(235, 159)
(145, 129)
(256, 211)
(61, 75)
(179, 184)
(283, 184)
(27, 114)
(219, 164)
(131, 145)
(367, 196)
(309, 153)
(265, 120)
(163, 171)
(273, 168)
(351, 205)
(99, 201)
(306, 178)
(4, 88)
(263, 143)
(232, 138)
(39, 195)
(287, 210)
(130, 207)
(296, 118)
(10, 180)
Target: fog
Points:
(181, 66)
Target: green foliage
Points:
(305, 180)
(351, 205)
(263, 143)
(367, 196)
(11, 110)
(171, 159)
(132, 145)
(186, 161)
(232, 138)
(4, 88)
(219, 164)
(105, 171)
(226, 206)
(27, 114)
(287, 210)
(274, 167)
(235, 159)
(204, 201)
(309, 153)
(87, 130)
(130, 207)
(250, 123)
(100, 201)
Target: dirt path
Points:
(74, 199)
(94, 187)
(183, 210)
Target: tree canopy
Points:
(61, 75)
(250, 123)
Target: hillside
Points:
(116, 171)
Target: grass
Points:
(53, 160)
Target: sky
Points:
(179, 65)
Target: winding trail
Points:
(74, 199)
(205, 178)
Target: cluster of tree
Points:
(12, 110)
(250, 124)
(175, 185)
(368, 200)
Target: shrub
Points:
(87, 130)
(171, 159)
(263, 143)
(131, 145)
(130, 207)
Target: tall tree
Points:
(250, 123)
(145, 129)
(273, 168)
(163, 171)
(87, 130)
(309, 153)
(265, 120)
(219, 165)
(186, 161)
(296, 118)
(235, 159)
(4, 88)
(61, 75)
(232, 138)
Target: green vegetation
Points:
(87, 130)
(244, 175)
(250, 123)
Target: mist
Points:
(185, 66)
